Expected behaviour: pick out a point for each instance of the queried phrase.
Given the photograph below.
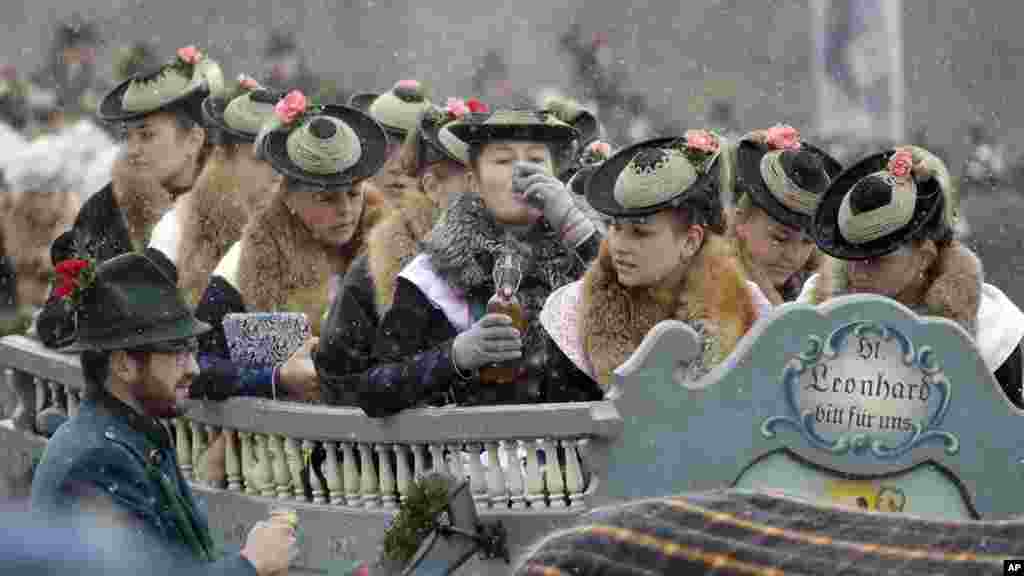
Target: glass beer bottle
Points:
(507, 275)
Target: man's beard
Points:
(154, 402)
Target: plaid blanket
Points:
(739, 532)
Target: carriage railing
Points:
(524, 458)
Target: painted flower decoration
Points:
(901, 163)
(75, 275)
(248, 82)
(190, 54)
(702, 141)
(290, 107)
(477, 107)
(783, 137)
(457, 108)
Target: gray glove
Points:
(548, 194)
(492, 339)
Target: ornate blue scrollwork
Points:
(858, 442)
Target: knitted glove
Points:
(548, 194)
(492, 339)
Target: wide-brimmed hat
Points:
(131, 302)
(877, 204)
(397, 110)
(514, 124)
(243, 116)
(436, 140)
(187, 80)
(325, 145)
(787, 182)
(656, 174)
(587, 161)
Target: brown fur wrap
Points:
(141, 199)
(397, 240)
(29, 222)
(953, 292)
(283, 267)
(714, 299)
(210, 219)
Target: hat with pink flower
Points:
(397, 110)
(884, 201)
(183, 82)
(241, 118)
(783, 175)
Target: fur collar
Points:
(210, 219)
(396, 240)
(715, 300)
(141, 199)
(282, 267)
(461, 248)
(954, 290)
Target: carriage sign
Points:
(865, 389)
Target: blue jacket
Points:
(110, 455)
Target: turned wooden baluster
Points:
(387, 475)
(249, 462)
(351, 474)
(573, 475)
(198, 451)
(534, 480)
(232, 465)
(74, 401)
(437, 463)
(335, 483)
(456, 465)
(495, 477)
(216, 457)
(419, 460)
(264, 467)
(514, 473)
(42, 395)
(477, 479)
(369, 485)
(11, 401)
(282, 476)
(295, 461)
(315, 485)
(553, 475)
(184, 447)
(402, 473)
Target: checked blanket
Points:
(740, 532)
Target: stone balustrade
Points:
(530, 466)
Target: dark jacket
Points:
(413, 344)
(111, 453)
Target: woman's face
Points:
(391, 180)
(331, 215)
(443, 181)
(647, 251)
(157, 144)
(492, 179)
(257, 179)
(888, 275)
(777, 250)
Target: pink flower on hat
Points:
(600, 148)
(291, 106)
(901, 163)
(411, 85)
(8, 72)
(701, 140)
(189, 54)
(783, 137)
(248, 82)
(477, 107)
(457, 107)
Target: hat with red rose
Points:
(242, 117)
(783, 175)
(130, 302)
(660, 174)
(325, 145)
(397, 110)
(882, 202)
(435, 141)
(183, 82)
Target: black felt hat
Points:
(514, 124)
(436, 140)
(242, 116)
(133, 303)
(654, 175)
(788, 184)
(868, 211)
(175, 83)
(359, 144)
(398, 110)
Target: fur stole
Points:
(954, 286)
(397, 240)
(210, 219)
(282, 267)
(462, 248)
(29, 223)
(141, 199)
(715, 300)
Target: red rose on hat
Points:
(291, 106)
(476, 106)
(701, 140)
(783, 137)
(189, 54)
(457, 107)
(901, 163)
